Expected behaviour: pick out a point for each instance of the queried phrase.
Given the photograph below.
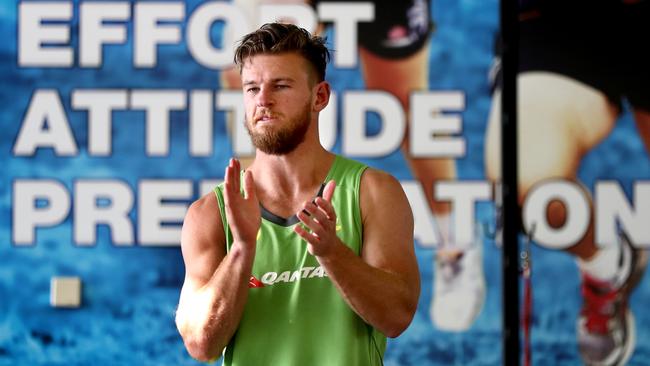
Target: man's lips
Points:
(266, 118)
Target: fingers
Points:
(317, 220)
(313, 226)
(317, 213)
(249, 186)
(327, 208)
(232, 180)
(328, 192)
(309, 237)
(325, 203)
(236, 168)
(318, 227)
(228, 182)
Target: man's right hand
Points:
(242, 212)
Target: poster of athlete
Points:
(583, 122)
(118, 114)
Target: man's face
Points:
(278, 101)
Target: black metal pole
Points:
(511, 214)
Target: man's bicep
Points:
(387, 225)
(202, 241)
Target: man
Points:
(314, 263)
(394, 53)
(574, 75)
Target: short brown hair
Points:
(275, 38)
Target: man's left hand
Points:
(319, 217)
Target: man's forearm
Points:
(208, 317)
(385, 300)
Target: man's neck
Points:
(292, 174)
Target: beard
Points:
(283, 139)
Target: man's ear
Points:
(323, 92)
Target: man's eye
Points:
(281, 86)
(252, 90)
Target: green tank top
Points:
(294, 315)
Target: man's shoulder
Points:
(202, 227)
(204, 209)
(382, 197)
(377, 179)
(345, 168)
(370, 177)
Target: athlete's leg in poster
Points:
(559, 121)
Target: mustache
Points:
(265, 113)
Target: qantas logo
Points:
(270, 278)
(254, 282)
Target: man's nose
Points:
(264, 97)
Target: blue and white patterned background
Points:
(130, 292)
